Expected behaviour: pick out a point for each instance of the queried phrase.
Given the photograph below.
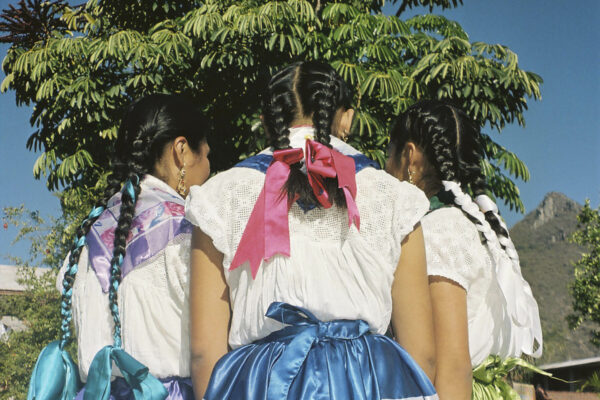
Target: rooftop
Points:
(571, 363)
(9, 278)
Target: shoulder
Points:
(400, 204)
(453, 246)
(448, 216)
(376, 179)
(451, 225)
(232, 181)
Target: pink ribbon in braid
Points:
(267, 232)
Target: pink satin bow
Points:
(323, 162)
(267, 232)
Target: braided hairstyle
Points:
(305, 89)
(149, 124)
(453, 147)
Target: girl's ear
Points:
(179, 148)
(346, 121)
(410, 153)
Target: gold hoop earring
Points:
(410, 177)
(181, 189)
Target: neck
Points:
(430, 188)
(303, 121)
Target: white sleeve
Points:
(410, 206)
(207, 207)
(452, 245)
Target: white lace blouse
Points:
(153, 304)
(334, 271)
(454, 251)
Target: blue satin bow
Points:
(305, 329)
(143, 384)
(55, 375)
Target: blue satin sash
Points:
(143, 384)
(55, 375)
(304, 330)
(316, 360)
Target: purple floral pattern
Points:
(159, 217)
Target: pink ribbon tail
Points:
(267, 232)
(323, 162)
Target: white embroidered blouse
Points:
(334, 271)
(153, 304)
(454, 251)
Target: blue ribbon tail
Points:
(55, 375)
(143, 384)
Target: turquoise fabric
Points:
(143, 384)
(55, 375)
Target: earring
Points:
(345, 135)
(181, 189)
(410, 177)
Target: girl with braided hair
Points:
(314, 250)
(482, 306)
(125, 282)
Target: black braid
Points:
(126, 214)
(324, 99)
(75, 253)
(444, 159)
(301, 90)
(280, 107)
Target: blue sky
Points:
(556, 39)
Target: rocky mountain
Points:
(547, 256)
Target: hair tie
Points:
(129, 186)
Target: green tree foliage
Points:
(585, 290)
(89, 61)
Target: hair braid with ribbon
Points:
(452, 145)
(302, 90)
(130, 193)
(75, 253)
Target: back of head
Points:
(151, 122)
(304, 90)
(452, 144)
(450, 140)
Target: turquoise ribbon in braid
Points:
(144, 385)
(55, 375)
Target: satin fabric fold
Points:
(311, 359)
(143, 384)
(55, 375)
(324, 162)
(267, 231)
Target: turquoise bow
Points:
(144, 385)
(55, 375)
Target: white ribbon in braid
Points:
(486, 204)
(521, 307)
(466, 203)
